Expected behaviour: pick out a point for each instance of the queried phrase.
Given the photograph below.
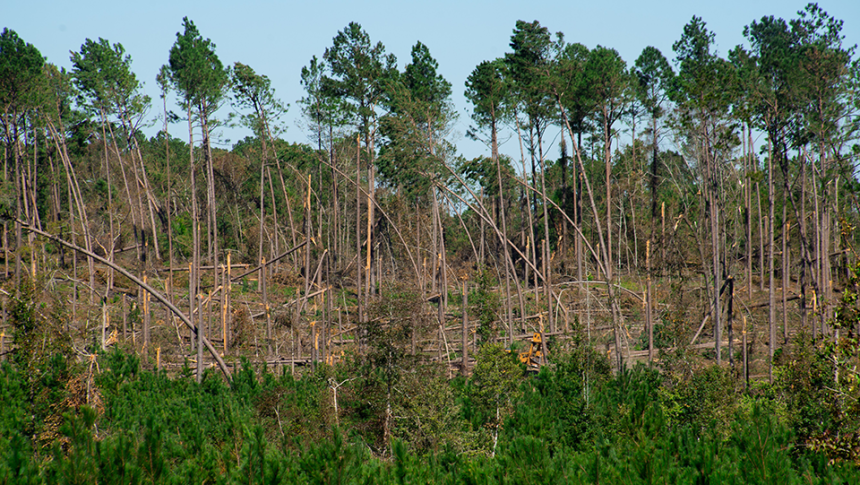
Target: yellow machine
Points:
(533, 356)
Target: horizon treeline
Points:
(653, 203)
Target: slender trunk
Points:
(265, 297)
(648, 318)
(371, 197)
(145, 310)
(663, 235)
(712, 174)
(607, 156)
(563, 250)
(577, 210)
(531, 224)
(771, 313)
(546, 268)
(112, 234)
(308, 236)
(274, 244)
(730, 319)
(211, 200)
(786, 269)
(193, 277)
(358, 233)
(334, 193)
(262, 207)
(748, 151)
(506, 252)
(19, 209)
(465, 342)
(168, 192)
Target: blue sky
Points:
(278, 38)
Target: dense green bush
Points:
(571, 423)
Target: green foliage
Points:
(254, 92)
(484, 172)
(487, 90)
(360, 72)
(495, 388)
(819, 383)
(195, 71)
(486, 304)
(420, 111)
(557, 404)
(20, 73)
(573, 423)
(429, 417)
(706, 400)
(107, 84)
(801, 376)
(654, 76)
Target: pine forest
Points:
(661, 286)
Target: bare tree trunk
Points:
(371, 191)
(804, 263)
(465, 343)
(169, 191)
(145, 310)
(112, 234)
(193, 277)
(504, 243)
(274, 243)
(730, 319)
(335, 200)
(607, 156)
(826, 222)
(663, 235)
(649, 323)
(761, 220)
(225, 322)
(265, 296)
(547, 267)
(19, 212)
(434, 265)
(786, 269)
(771, 313)
(262, 210)
(655, 180)
(212, 201)
(748, 151)
(577, 208)
(358, 235)
(711, 166)
(563, 249)
(308, 276)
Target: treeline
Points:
(653, 208)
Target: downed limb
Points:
(158, 296)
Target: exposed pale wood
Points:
(158, 296)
